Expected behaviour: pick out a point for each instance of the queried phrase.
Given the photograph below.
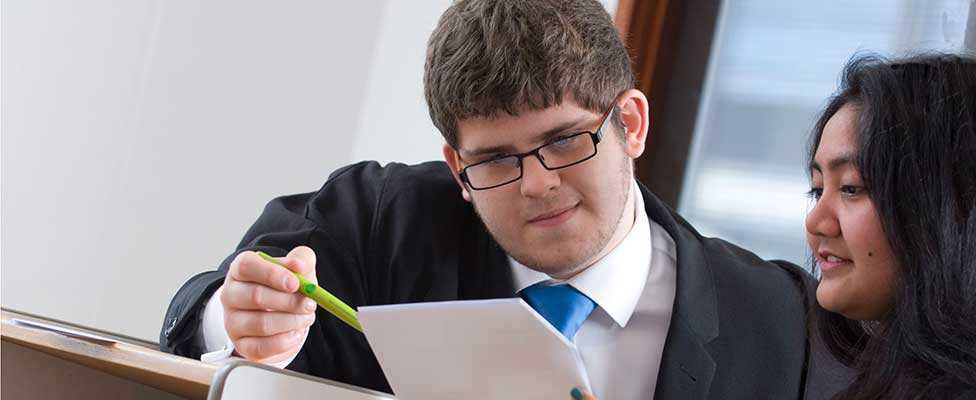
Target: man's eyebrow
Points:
(540, 138)
(834, 163)
(558, 129)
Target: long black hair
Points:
(916, 153)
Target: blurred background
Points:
(139, 139)
(772, 67)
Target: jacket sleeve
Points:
(277, 231)
(371, 228)
(284, 224)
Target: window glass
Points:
(773, 66)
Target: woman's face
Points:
(844, 231)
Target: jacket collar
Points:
(695, 300)
(687, 367)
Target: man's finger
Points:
(249, 267)
(252, 296)
(270, 348)
(301, 260)
(264, 323)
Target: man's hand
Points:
(264, 315)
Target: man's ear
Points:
(451, 157)
(634, 111)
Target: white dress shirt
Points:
(633, 286)
(621, 342)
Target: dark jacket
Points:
(400, 234)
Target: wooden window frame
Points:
(669, 42)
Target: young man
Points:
(536, 103)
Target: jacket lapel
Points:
(687, 368)
(482, 267)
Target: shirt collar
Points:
(616, 281)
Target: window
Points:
(773, 64)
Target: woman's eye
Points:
(815, 193)
(851, 190)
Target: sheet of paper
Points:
(64, 331)
(246, 382)
(484, 349)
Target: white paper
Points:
(63, 331)
(246, 382)
(483, 349)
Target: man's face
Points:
(556, 221)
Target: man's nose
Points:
(536, 179)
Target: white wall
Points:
(139, 139)
(394, 124)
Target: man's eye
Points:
(499, 160)
(564, 141)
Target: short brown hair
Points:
(491, 56)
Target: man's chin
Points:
(556, 264)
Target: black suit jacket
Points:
(399, 234)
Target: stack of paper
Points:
(484, 349)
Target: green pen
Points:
(325, 299)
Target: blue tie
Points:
(562, 305)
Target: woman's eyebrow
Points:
(834, 163)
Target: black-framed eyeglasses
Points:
(562, 152)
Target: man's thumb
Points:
(302, 260)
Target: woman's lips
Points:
(830, 262)
(554, 217)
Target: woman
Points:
(893, 229)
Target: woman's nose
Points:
(822, 220)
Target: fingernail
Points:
(286, 284)
(309, 305)
(576, 393)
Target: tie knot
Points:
(562, 305)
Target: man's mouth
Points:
(554, 217)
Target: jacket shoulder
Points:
(372, 186)
(752, 272)
(763, 310)
(771, 299)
